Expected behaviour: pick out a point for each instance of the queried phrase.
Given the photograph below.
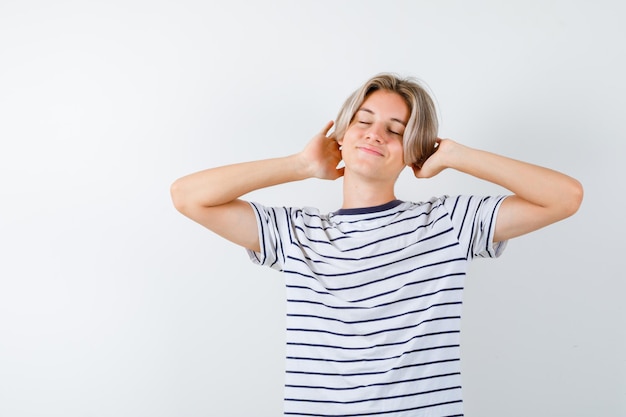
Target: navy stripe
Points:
(464, 215)
(360, 221)
(396, 368)
(377, 318)
(278, 245)
(365, 284)
(365, 400)
(379, 384)
(329, 242)
(351, 307)
(381, 266)
(260, 220)
(393, 329)
(404, 285)
(456, 201)
(360, 258)
(299, 358)
(403, 342)
(492, 225)
(462, 223)
(375, 413)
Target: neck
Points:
(359, 194)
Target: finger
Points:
(327, 127)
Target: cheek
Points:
(397, 148)
(347, 137)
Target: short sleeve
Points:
(474, 220)
(274, 226)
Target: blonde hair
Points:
(420, 134)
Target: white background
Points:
(113, 304)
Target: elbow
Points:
(573, 198)
(178, 196)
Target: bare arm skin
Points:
(541, 196)
(211, 197)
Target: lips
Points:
(370, 150)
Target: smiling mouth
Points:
(370, 151)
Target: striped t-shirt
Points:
(374, 302)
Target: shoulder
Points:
(460, 209)
(428, 206)
(464, 203)
(297, 215)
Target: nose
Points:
(375, 133)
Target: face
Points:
(372, 144)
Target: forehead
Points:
(387, 105)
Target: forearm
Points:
(221, 185)
(540, 186)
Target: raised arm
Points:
(541, 196)
(211, 197)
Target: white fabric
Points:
(374, 302)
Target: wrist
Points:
(452, 154)
(302, 168)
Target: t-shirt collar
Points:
(368, 210)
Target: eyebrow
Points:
(365, 109)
